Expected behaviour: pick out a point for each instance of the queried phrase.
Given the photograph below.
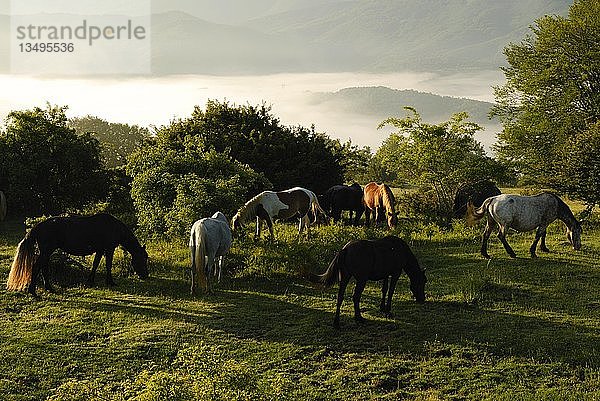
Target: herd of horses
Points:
(211, 238)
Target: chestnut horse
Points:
(269, 205)
(379, 199)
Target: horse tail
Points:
(198, 253)
(316, 208)
(21, 272)
(331, 275)
(2, 206)
(474, 215)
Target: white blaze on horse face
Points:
(272, 204)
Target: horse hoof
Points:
(389, 315)
(513, 255)
(360, 319)
(486, 256)
(533, 256)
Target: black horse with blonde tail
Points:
(382, 259)
(75, 235)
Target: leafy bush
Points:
(176, 183)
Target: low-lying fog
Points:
(158, 100)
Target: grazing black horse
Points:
(76, 235)
(373, 260)
(476, 193)
(344, 197)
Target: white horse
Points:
(210, 240)
(524, 213)
(269, 205)
(2, 206)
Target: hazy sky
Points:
(156, 101)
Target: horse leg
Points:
(543, 246)
(337, 214)
(367, 216)
(220, 268)
(486, 236)
(538, 236)
(270, 225)
(340, 298)
(358, 290)
(39, 266)
(384, 287)
(108, 258)
(95, 264)
(45, 268)
(358, 215)
(307, 224)
(388, 307)
(502, 237)
(258, 228)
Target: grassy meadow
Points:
(523, 329)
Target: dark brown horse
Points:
(476, 193)
(376, 260)
(380, 200)
(344, 197)
(76, 235)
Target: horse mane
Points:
(248, 210)
(128, 239)
(563, 208)
(388, 198)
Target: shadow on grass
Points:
(263, 317)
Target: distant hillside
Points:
(335, 36)
(381, 103)
(271, 36)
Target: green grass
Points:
(509, 329)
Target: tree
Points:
(552, 96)
(580, 169)
(46, 168)
(117, 140)
(436, 159)
(178, 180)
(287, 156)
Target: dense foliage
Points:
(117, 140)
(552, 98)
(287, 156)
(436, 159)
(177, 180)
(45, 167)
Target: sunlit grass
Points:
(504, 329)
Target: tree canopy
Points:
(436, 159)
(117, 140)
(287, 156)
(45, 167)
(552, 97)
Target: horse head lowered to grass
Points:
(524, 213)
(268, 206)
(380, 201)
(75, 235)
(373, 260)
